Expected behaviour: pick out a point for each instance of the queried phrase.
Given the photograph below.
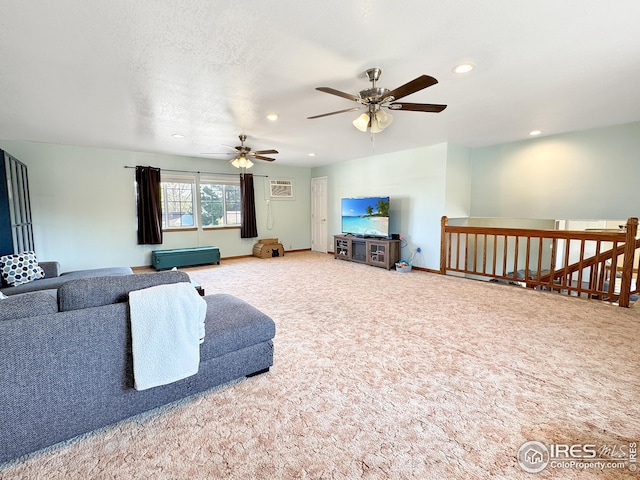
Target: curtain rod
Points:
(192, 171)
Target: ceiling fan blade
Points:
(260, 157)
(417, 107)
(266, 152)
(334, 113)
(234, 152)
(423, 81)
(333, 91)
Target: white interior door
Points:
(319, 214)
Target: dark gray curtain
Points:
(149, 206)
(248, 225)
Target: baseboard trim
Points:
(251, 255)
(428, 270)
(142, 268)
(147, 267)
(422, 269)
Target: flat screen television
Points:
(366, 216)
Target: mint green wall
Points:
(83, 200)
(458, 182)
(591, 174)
(84, 213)
(417, 182)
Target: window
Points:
(218, 201)
(177, 201)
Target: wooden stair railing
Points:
(600, 258)
(602, 267)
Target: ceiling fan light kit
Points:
(242, 162)
(375, 98)
(377, 121)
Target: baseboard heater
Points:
(184, 257)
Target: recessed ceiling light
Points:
(312, 154)
(177, 135)
(272, 116)
(535, 133)
(463, 68)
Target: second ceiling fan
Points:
(373, 99)
(243, 154)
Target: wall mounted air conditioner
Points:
(280, 189)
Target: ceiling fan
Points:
(374, 98)
(243, 154)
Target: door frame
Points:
(319, 225)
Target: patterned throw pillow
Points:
(20, 268)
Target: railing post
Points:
(444, 221)
(627, 265)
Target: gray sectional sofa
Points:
(66, 366)
(54, 278)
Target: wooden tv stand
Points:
(379, 252)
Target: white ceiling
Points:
(126, 74)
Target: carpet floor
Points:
(385, 375)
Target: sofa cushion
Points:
(51, 269)
(96, 272)
(20, 268)
(56, 280)
(98, 291)
(37, 285)
(27, 305)
(232, 324)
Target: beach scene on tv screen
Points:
(366, 216)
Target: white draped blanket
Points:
(167, 326)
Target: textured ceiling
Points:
(128, 74)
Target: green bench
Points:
(184, 257)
